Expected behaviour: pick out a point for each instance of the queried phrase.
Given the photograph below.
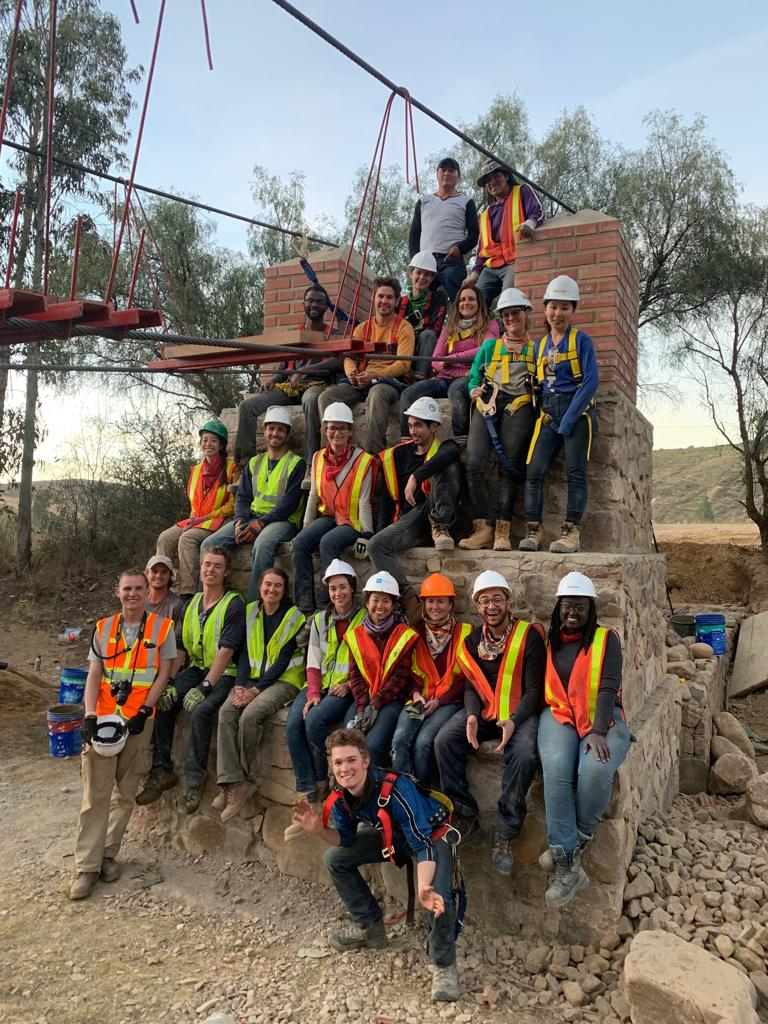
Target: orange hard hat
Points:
(437, 585)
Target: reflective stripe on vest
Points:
(387, 458)
(347, 495)
(502, 252)
(140, 663)
(576, 705)
(289, 626)
(570, 356)
(501, 702)
(334, 653)
(201, 503)
(202, 645)
(269, 487)
(423, 665)
(500, 354)
(375, 667)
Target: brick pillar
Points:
(285, 284)
(591, 248)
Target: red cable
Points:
(76, 256)
(207, 37)
(135, 12)
(409, 118)
(136, 265)
(9, 73)
(151, 272)
(12, 245)
(49, 146)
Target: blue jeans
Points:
(515, 431)
(378, 739)
(493, 281)
(548, 444)
(263, 552)
(450, 275)
(414, 741)
(306, 737)
(342, 863)
(331, 541)
(577, 787)
(454, 389)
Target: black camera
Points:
(120, 690)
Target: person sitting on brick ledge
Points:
(503, 660)
(377, 382)
(420, 494)
(567, 377)
(583, 738)
(424, 307)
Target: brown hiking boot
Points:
(219, 802)
(482, 536)
(502, 542)
(568, 544)
(156, 785)
(468, 828)
(441, 538)
(82, 884)
(110, 870)
(352, 937)
(412, 608)
(533, 538)
(236, 797)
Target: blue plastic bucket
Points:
(710, 629)
(64, 721)
(72, 685)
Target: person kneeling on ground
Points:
(326, 699)
(420, 828)
(270, 671)
(567, 376)
(380, 676)
(503, 660)
(423, 475)
(434, 663)
(130, 660)
(212, 632)
(583, 738)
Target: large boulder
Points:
(668, 979)
(731, 773)
(757, 799)
(720, 745)
(729, 726)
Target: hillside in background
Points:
(697, 485)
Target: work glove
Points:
(195, 696)
(361, 549)
(368, 717)
(168, 698)
(88, 730)
(136, 724)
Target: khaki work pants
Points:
(238, 740)
(186, 544)
(109, 792)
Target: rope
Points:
(168, 276)
(207, 37)
(409, 118)
(12, 244)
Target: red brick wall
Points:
(591, 248)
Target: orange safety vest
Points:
(502, 252)
(139, 663)
(387, 458)
(423, 665)
(376, 666)
(343, 501)
(576, 705)
(201, 502)
(501, 703)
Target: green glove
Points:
(168, 698)
(195, 696)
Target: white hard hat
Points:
(337, 412)
(382, 583)
(576, 584)
(488, 580)
(562, 289)
(424, 261)
(338, 568)
(278, 414)
(111, 735)
(425, 409)
(512, 297)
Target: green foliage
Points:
(704, 513)
(388, 249)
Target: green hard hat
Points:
(215, 426)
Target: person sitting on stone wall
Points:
(339, 506)
(212, 633)
(419, 495)
(424, 306)
(377, 382)
(326, 699)
(466, 328)
(380, 675)
(270, 671)
(299, 382)
(501, 379)
(503, 660)
(583, 738)
(434, 664)
(269, 503)
(513, 215)
(161, 600)
(567, 376)
(211, 505)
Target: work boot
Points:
(352, 937)
(468, 828)
(192, 798)
(219, 802)
(502, 857)
(295, 830)
(546, 860)
(568, 544)
(156, 785)
(412, 608)
(445, 984)
(441, 538)
(482, 536)
(502, 542)
(533, 538)
(236, 797)
(110, 870)
(82, 884)
(569, 877)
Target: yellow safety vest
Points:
(290, 625)
(202, 645)
(269, 486)
(334, 653)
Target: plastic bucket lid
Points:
(65, 712)
(713, 619)
(73, 675)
